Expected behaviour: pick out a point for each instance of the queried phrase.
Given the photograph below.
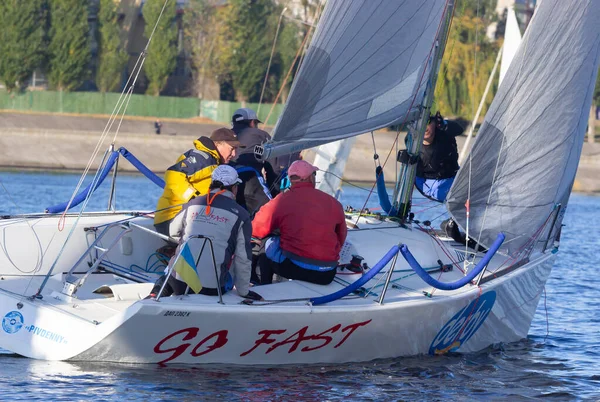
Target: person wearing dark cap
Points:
(312, 230)
(190, 176)
(257, 176)
(217, 216)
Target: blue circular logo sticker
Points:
(12, 322)
(463, 325)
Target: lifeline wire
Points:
(129, 91)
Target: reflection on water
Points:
(559, 364)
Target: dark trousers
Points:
(289, 270)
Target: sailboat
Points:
(73, 287)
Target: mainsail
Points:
(525, 157)
(365, 69)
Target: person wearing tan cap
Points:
(190, 176)
(312, 230)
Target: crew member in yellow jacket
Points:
(190, 176)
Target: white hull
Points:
(119, 327)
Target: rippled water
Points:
(558, 361)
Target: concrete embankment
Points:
(51, 142)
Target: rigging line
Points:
(547, 321)
(287, 76)
(468, 209)
(465, 148)
(3, 245)
(299, 20)
(375, 156)
(404, 121)
(407, 289)
(432, 207)
(125, 93)
(439, 242)
(123, 96)
(510, 111)
(262, 92)
(344, 181)
(318, 13)
(128, 99)
(63, 216)
(519, 252)
(396, 164)
(475, 54)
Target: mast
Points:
(416, 130)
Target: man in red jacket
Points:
(312, 230)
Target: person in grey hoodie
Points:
(219, 217)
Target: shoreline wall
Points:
(57, 142)
(62, 150)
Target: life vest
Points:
(261, 179)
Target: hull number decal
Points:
(463, 325)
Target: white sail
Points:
(366, 68)
(512, 40)
(331, 160)
(524, 160)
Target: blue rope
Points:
(141, 167)
(459, 283)
(361, 281)
(384, 198)
(79, 198)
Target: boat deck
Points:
(104, 294)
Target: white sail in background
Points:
(512, 40)
(365, 69)
(331, 160)
(525, 157)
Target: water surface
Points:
(559, 360)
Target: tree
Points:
(201, 38)
(233, 44)
(162, 50)
(111, 55)
(22, 40)
(247, 32)
(468, 61)
(69, 47)
(290, 38)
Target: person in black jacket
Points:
(437, 166)
(257, 176)
(438, 160)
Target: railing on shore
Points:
(139, 105)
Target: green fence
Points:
(222, 111)
(99, 103)
(139, 105)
